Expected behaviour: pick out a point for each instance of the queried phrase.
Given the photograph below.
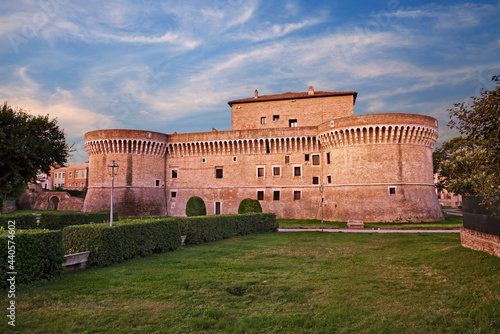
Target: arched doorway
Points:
(54, 203)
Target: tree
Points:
(28, 145)
(196, 207)
(249, 205)
(470, 165)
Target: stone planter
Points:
(76, 260)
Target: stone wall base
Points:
(484, 242)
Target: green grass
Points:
(304, 282)
(451, 222)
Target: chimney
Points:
(256, 93)
(311, 90)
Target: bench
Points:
(355, 224)
(76, 260)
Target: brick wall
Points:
(484, 242)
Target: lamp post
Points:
(112, 171)
(321, 191)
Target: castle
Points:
(299, 154)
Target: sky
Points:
(170, 66)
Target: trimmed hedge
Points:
(23, 221)
(211, 228)
(111, 245)
(196, 207)
(249, 205)
(38, 255)
(58, 220)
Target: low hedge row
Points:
(24, 221)
(211, 228)
(37, 255)
(58, 221)
(111, 245)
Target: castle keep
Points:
(291, 151)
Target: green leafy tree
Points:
(249, 205)
(470, 165)
(196, 207)
(28, 145)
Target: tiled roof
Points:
(73, 167)
(291, 96)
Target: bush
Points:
(211, 228)
(38, 255)
(196, 207)
(23, 221)
(249, 205)
(111, 245)
(58, 220)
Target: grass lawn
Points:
(451, 222)
(303, 282)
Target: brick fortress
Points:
(288, 150)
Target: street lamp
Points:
(112, 172)
(321, 191)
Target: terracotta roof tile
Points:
(290, 96)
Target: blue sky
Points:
(172, 65)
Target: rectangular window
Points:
(64, 175)
(157, 183)
(218, 173)
(276, 117)
(296, 195)
(328, 158)
(276, 171)
(69, 185)
(276, 195)
(287, 159)
(292, 123)
(315, 180)
(297, 171)
(76, 175)
(306, 157)
(174, 173)
(234, 159)
(260, 171)
(203, 160)
(173, 194)
(83, 184)
(392, 191)
(260, 195)
(262, 120)
(329, 178)
(316, 160)
(70, 174)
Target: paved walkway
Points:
(454, 212)
(353, 230)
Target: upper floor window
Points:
(306, 157)
(76, 175)
(328, 158)
(276, 195)
(297, 170)
(218, 173)
(174, 173)
(287, 159)
(292, 123)
(276, 117)
(276, 170)
(262, 120)
(315, 180)
(315, 159)
(70, 175)
(260, 171)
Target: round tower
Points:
(139, 187)
(379, 168)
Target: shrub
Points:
(110, 245)
(58, 220)
(23, 221)
(196, 207)
(249, 205)
(211, 228)
(38, 255)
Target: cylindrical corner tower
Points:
(379, 168)
(139, 188)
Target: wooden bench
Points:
(355, 224)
